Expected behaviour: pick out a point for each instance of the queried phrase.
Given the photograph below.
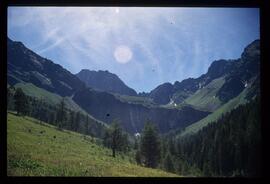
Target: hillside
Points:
(42, 150)
(250, 92)
(24, 65)
(230, 146)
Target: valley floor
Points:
(35, 149)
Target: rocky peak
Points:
(105, 81)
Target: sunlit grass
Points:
(35, 149)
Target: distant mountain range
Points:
(171, 106)
(236, 73)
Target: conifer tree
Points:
(150, 145)
(113, 137)
(21, 104)
(61, 113)
(116, 136)
(168, 163)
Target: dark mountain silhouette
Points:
(106, 107)
(27, 66)
(105, 81)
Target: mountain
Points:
(26, 66)
(179, 91)
(105, 81)
(230, 77)
(161, 94)
(239, 86)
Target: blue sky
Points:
(145, 47)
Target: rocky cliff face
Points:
(105, 81)
(106, 107)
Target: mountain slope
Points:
(63, 153)
(105, 81)
(250, 92)
(205, 98)
(230, 146)
(27, 66)
(51, 98)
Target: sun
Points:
(123, 54)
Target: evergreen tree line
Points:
(230, 146)
(58, 115)
(160, 151)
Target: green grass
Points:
(205, 98)
(31, 90)
(32, 153)
(227, 107)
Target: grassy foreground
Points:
(35, 149)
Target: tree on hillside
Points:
(168, 163)
(72, 120)
(86, 125)
(138, 157)
(61, 113)
(116, 136)
(21, 103)
(150, 145)
(113, 137)
(136, 144)
(78, 119)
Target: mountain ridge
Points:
(169, 109)
(105, 81)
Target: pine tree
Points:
(136, 145)
(116, 136)
(124, 142)
(113, 137)
(138, 157)
(61, 114)
(86, 125)
(168, 163)
(150, 145)
(21, 104)
(77, 121)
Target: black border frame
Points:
(264, 37)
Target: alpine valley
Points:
(186, 114)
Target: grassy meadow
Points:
(40, 149)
